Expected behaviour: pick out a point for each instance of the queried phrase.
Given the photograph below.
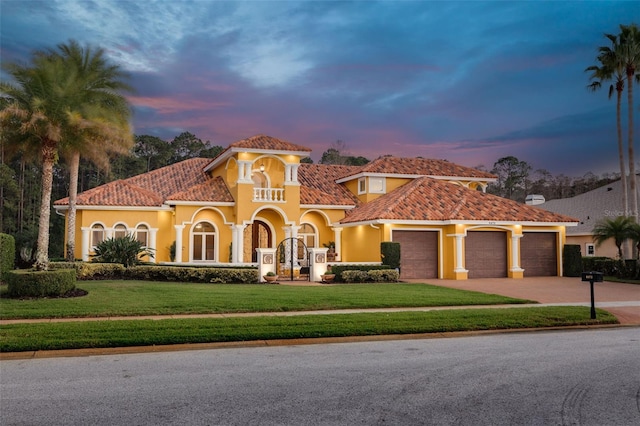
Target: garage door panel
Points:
(539, 254)
(419, 253)
(486, 254)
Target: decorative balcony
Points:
(273, 195)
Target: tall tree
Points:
(101, 117)
(628, 54)
(610, 69)
(38, 100)
(513, 177)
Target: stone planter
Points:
(270, 278)
(328, 278)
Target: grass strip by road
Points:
(137, 298)
(105, 334)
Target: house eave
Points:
(109, 208)
(200, 203)
(416, 176)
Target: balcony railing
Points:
(268, 194)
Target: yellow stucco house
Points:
(238, 207)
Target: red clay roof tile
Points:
(428, 199)
(420, 167)
(318, 185)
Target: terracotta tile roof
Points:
(427, 199)
(268, 143)
(213, 190)
(147, 189)
(420, 167)
(318, 185)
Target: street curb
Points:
(65, 353)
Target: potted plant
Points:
(270, 277)
(328, 276)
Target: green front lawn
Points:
(103, 334)
(123, 298)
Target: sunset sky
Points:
(469, 82)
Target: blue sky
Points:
(469, 82)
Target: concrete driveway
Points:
(622, 300)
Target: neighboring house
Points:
(256, 194)
(601, 203)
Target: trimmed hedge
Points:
(390, 253)
(29, 283)
(7, 254)
(571, 260)
(376, 276)
(606, 265)
(92, 271)
(194, 275)
(338, 269)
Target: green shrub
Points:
(126, 250)
(193, 274)
(91, 270)
(7, 254)
(29, 283)
(571, 260)
(374, 275)
(606, 265)
(390, 254)
(338, 269)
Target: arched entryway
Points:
(256, 235)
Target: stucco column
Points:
(515, 253)
(337, 237)
(266, 262)
(153, 233)
(294, 173)
(237, 243)
(84, 249)
(459, 253)
(179, 229)
(318, 262)
(287, 174)
(244, 171)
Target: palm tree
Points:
(619, 229)
(628, 54)
(51, 103)
(37, 104)
(102, 119)
(609, 69)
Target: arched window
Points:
(307, 234)
(203, 242)
(119, 231)
(142, 234)
(97, 235)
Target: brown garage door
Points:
(539, 254)
(418, 253)
(486, 254)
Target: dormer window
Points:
(377, 185)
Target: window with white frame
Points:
(97, 235)
(203, 242)
(307, 234)
(119, 231)
(362, 185)
(377, 185)
(590, 249)
(142, 234)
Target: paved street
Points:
(587, 377)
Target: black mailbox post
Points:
(593, 277)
